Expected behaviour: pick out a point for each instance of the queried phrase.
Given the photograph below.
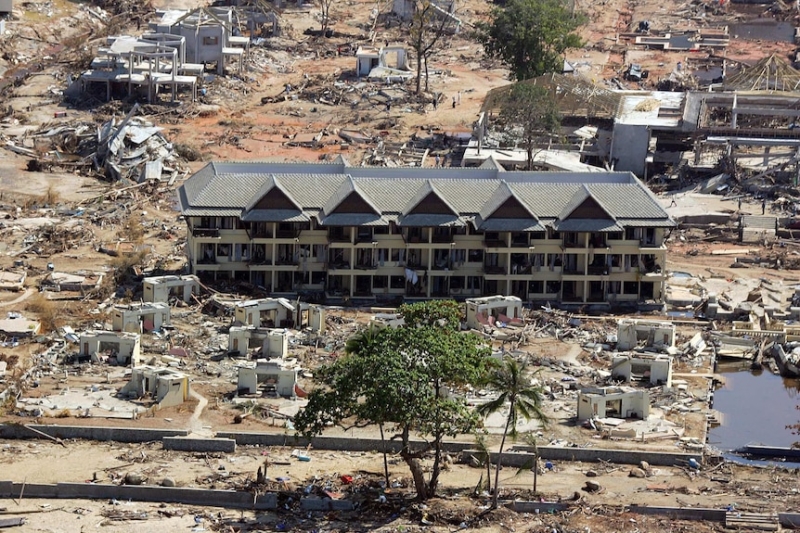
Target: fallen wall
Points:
(188, 496)
(118, 434)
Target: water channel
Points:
(756, 407)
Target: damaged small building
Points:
(164, 288)
(613, 402)
(273, 343)
(266, 312)
(278, 377)
(140, 317)
(386, 63)
(490, 310)
(165, 386)
(117, 347)
(653, 369)
(633, 333)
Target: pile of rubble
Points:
(132, 149)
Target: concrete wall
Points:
(554, 453)
(629, 147)
(681, 513)
(188, 444)
(590, 455)
(188, 496)
(15, 431)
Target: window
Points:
(226, 222)
(630, 287)
(538, 235)
(397, 282)
(210, 40)
(398, 255)
(475, 256)
(380, 230)
(380, 282)
(318, 278)
(536, 287)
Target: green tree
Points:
(530, 115)
(524, 400)
(531, 36)
(402, 378)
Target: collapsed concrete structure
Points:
(163, 288)
(386, 63)
(165, 386)
(653, 369)
(118, 347)
(271, 342)
(633, 333)
(79, 282)
(137, 318)
(491, 310)
(12, 281)
(208, 33)
(266, 312)
(613, 402)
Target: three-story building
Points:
(427, 233)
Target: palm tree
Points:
(524, 400)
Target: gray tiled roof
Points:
(274, 215)
(391, 191)
(511, 224)
(586, 224)
(426, 189)
(429, 220)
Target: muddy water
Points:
(756, 408)
(764, 29)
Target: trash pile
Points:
(132, 149)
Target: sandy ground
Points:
(763, 491)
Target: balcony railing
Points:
(205, 232)
(338, 237)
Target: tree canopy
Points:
(402, 378)
(530, 114)
(531, 36)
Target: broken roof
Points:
(574, 96)
(772, 73)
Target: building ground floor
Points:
(547, 285)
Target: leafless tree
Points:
(429, 23)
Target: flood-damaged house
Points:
(613, 402)
(165, 386)
(119, 347)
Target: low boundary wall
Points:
(99, 433)
(143, 493)
(192, 444)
